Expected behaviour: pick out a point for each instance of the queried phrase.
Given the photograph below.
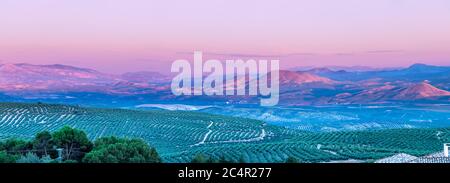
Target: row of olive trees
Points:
(201, 158)
(74, 146)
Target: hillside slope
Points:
(179, 136)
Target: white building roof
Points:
(406, 158)
(398, 158)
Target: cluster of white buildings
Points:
(439, 157)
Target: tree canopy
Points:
(74, 142)
(121, 150)
(291, 159)
(7, 158)
(42, 143)
(76, 147)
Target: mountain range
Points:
(316, 86)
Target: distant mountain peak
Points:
(320, 70)
(428, 68)
(26, 66)
(421, 90)
(145, 76)
(301, 77)
(419, 65)
(29, 77)
(11, 68)
(67, 67)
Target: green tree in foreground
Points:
(33, 158)
(222, 159)
(7, 158)
(291, 159)
(42, 143)
(200, 158)
(15, 146)
(74, 142)
(120, 150)
(242, 159)
(76, 148)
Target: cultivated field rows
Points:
(179, 136)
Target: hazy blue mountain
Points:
(416, 72)
(319, 86)
(146, 77)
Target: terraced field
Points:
(179, 136)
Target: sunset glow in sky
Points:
(119, 36)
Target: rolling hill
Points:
(179, 136)
(291, 77)
(414, 73)
(421, 90)
(320, 86)
(62, 78)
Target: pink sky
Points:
(119, 36)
